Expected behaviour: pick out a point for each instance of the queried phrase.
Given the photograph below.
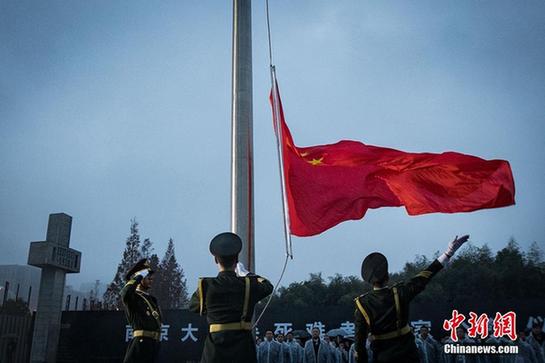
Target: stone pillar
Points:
(56, 259)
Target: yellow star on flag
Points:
(316, 161)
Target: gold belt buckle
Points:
(214, 328)
(146, 334)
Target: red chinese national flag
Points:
(329, 184)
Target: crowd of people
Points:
(318, 348)
(322, 348)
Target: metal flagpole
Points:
(242, 203)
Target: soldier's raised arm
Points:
(128, 292)
(263, 287)
(384, 311)
(418, 283)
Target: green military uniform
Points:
(384, 313)
(228, 302)
(144, 315)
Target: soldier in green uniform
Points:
(228, 302)
(383, 312)
(143, 314)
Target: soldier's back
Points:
(391, 337)
(228, 302)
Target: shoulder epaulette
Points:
(364, 294)
(201, 294)
(361, 309)
(425, 273)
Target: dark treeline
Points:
(475, 274)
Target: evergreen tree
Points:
(535, 255)
(170, 283)
(154, 264)
(146, 249)
(534, 278)
(94, 302)
(131, 255)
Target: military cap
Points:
(226, 244)
(374, 268)
(140, 265)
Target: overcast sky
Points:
(113, 110)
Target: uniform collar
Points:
(142, 291)
(379, 288)
(227, 273)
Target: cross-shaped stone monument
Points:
(55, 259)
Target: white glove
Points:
(452, 248)
(143, 273)
(241, 270)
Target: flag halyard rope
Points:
(278, 133)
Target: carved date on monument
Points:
(44, 254)
(66, 258)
